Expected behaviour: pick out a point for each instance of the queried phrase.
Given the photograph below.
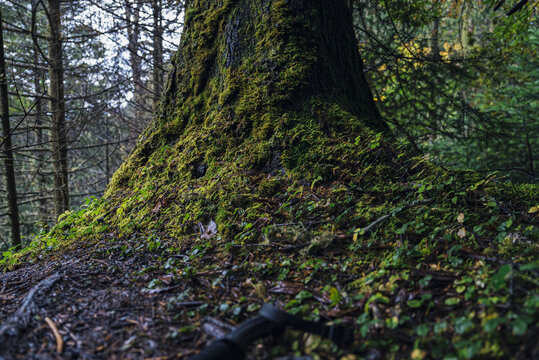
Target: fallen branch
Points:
(161, 290)
(382, 218)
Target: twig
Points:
(215, 327)
(490, 259)
(382, 218)
(497, 261)
(294, 247)
(101, 261)
(158, 291)
(188, 303)
(57, 336)
(311, 223)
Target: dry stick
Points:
(57, 336)
(162, 290)
(21, 317)
(215, 327)
(382, 218)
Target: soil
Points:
(99, 309)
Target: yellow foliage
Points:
(447, 46)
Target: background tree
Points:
(57, 108)
(431, 65)
(100, 121)
(7, 152)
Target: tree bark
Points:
(40, 155)
(11, 185)
(132, 14)
(57, 107)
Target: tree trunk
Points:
(132, 14)
(40, 156)
(273, 87)
(157, 52)
(7, 151)
(57, 107)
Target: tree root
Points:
(21, 318)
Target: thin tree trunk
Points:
(435, 46)
(157, 52)
(56, 93)
(8, 153)
(40, 156)
(132, 14)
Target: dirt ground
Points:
(97, 308)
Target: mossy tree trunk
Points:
(247, 72)
(293, 50)
(265, 89)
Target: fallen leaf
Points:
(208, 231)
(418, 354)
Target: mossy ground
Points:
(451, 272)
(312, 209)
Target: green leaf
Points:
(462, 324)
(498, 280)
(519, 326)
(302, 295)
(530, 266)
(492, 324)
(440, 327)
(414, 303)
(422, 330)
(452, 301)
(334, 296)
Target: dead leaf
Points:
(157, 207)
(290, 288)
(208, 231)
(259, 288)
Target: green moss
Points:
(269, 187)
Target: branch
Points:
(394, 212)
(517, 7)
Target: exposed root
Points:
(20, 319)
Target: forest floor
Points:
(424, 271)
(93, 305)
(80, 306)
(99, 310)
